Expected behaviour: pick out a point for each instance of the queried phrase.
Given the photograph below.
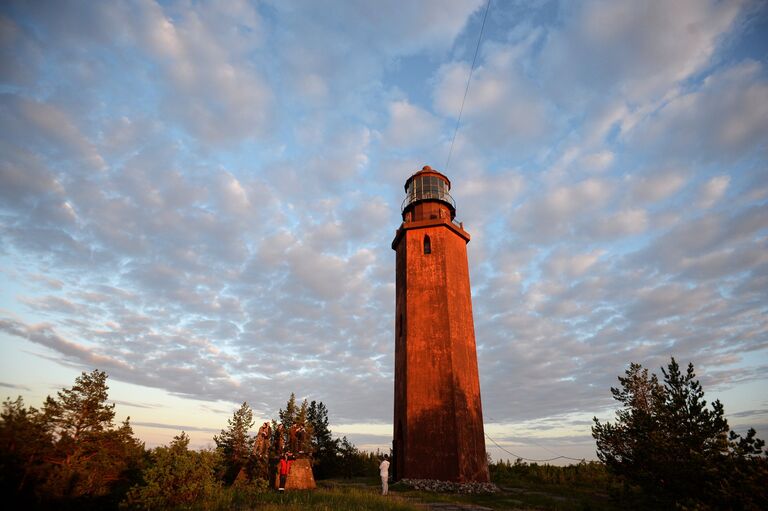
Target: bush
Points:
(177, 477)
(588, 474)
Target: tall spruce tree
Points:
(295, 414)
(301, 414)
(675, 448)
(234, 443)
(317, 415)
(289, 415)
(324, 446)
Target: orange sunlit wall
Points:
(438, 419)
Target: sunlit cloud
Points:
(200, 200)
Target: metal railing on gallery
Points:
(427, 195)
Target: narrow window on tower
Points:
(427, 245)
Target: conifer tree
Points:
(324, 446)
(24, 444)
(70, 452)
(675, 448)
(352, 462)
(289, 415)
(89, 455)
(317, 416)
(82, 410)
(301, 415)
(234, 443)
(629, 447)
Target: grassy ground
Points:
(363, 494)
(516, 493)
(549, 497)
(351, 496)
(526, 498)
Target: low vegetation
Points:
(666, 450)
(70, 454)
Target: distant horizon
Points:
(199, 199)
(144, 430)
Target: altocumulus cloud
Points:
(200, 198)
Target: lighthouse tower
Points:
(438, 429)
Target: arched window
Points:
(427, 245)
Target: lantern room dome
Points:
(428, 185)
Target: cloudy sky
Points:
(199, 198)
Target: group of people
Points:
(286, 460)
(297, 444)
(287, 447)
(298, 440)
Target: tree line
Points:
(666, 449)
(70, 454)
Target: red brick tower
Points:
(438, 416)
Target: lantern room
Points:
(427, 197)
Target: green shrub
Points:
(178, 477)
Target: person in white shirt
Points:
(384, 473)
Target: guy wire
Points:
(529, 459)
(469, 79)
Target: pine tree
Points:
(82, 410)
(301, 415)
(70, 452)
(630, 447)
(24, 443)
(289, 415)
(234, 443)
(694, 437)
(317, 416)
(351, 459)
(324, 446)
(671, 445)
(89, 456)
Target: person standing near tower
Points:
(384, 473)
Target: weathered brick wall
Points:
(438, 413)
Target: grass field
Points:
(363, 494)
(329, 496)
